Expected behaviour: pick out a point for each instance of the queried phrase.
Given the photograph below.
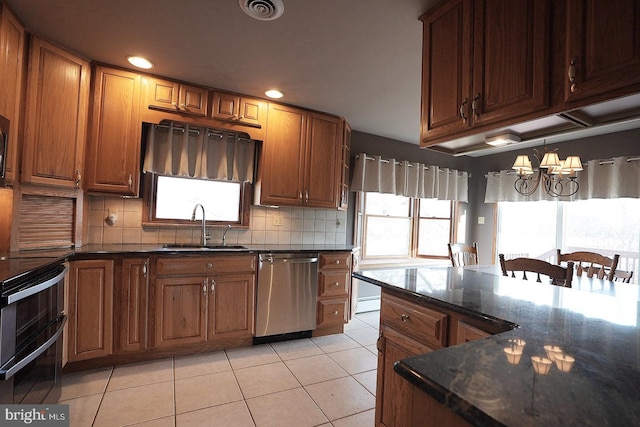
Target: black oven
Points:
(31, 323)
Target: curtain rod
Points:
(409, 164)
(210, 133)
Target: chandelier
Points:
(557, 177)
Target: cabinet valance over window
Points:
(409, 179)
(198, 152)
(601, 179)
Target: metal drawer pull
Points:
(404, 317)
(213, 286)
(335, 313)
(209, 265)
(337, 284)
(204, 286)
(338, 261)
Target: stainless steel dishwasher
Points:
(287, 293)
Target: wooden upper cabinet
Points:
(483, 62)
(511, 59)
(602, 50)
(446, 69)
(346, 159)
(113, 151)
(323, 161)
(177, 97)
(55, 116)
(302, 155)
(283, 157)
(12, 67)
(239, 109)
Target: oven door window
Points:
(35, 313)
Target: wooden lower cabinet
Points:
(192, 309)
(409, 328)
(334, 286)
(90, 302)
(132, 311)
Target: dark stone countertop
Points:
(159, 248)
(595, 322)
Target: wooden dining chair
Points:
(462, 254)
(560, 276)
(623, 276)
(591, 263)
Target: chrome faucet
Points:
(224, 234)
(204, 226)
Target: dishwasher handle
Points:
(273, 260)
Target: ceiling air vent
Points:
(264, 10)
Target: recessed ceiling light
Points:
(274, 93)
(140, 62)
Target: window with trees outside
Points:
(537, 229)
(403, 227)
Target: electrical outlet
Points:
(277, 220)
(480, 220)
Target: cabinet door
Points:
(468, 333)
(163, 94)
(603, 49)
(193, 100)
(134, 304)
(511, 59)
(283, 158)
(231, 306)
(225, 106)
(55, 116)
(323, 161)
(253, 112)
(12, 66)
(180, 310)
(346, 158)
(113, 152)
(393, 393)
(90, 309)
(446, 70)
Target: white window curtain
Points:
(409, 179)
(601, 179)
(198, 152)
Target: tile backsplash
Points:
(298, 226)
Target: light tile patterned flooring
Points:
(325, 381)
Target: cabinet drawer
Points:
(335, 260)
(415, 321)
(204, 265)
(332, 312)
(333, 284)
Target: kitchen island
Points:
(593, 328)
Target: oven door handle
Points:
(5, 374)
(37, 288)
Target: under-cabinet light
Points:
(504, 139)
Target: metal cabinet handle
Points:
(183, 106)
(475, 105)
(130, 181)
(463, 110)
(336, 284)
(379, 345)
(144, 269)
(204, 286)
(78, 177)
(335, 313)
(338, 262)
(213, 286)
(306, 196)
(209, 265)
(175, 105)
(404, 317)
(300, 195)
(571, 73)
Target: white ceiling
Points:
(360, 59)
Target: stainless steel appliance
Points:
(4, 143)
(287, 293)
(31, 323)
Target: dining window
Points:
(403, 227)
(606, 226)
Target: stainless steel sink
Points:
(203, 247)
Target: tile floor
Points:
(325, 381)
